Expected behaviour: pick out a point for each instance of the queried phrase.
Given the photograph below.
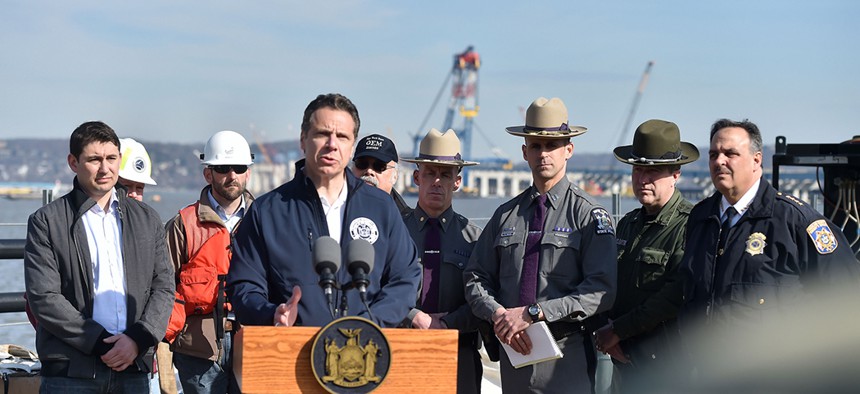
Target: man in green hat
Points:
(542, 259)
(641, 327)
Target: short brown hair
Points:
(334, 101)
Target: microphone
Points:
(360, 255)
(326, 259)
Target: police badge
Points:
(755, 244)
(344, 363)
(822, 237)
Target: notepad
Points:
(544, 347)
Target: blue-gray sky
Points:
(180, 71)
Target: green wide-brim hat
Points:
(547, 119)
(440, 149)
(657, 143)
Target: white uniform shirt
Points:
(741, 206)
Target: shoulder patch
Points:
(602, 221)
(822, 237)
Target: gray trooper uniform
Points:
(458, 236)
(576, 280)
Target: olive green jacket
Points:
(649, 290)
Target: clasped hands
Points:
(509, 326)
(608, 342)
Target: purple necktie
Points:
(528, 279)
(431, 261)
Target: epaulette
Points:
(789, 197)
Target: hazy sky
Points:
(180, 71)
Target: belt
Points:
(560, 329)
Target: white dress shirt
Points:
(104, 238)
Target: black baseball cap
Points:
(376, 146)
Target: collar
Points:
(220, 210)
(352, 182)
(667, 212)
(743, 203)
(113, 204)
(445, 218)
(554, 194)
(339, 200)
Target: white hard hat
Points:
(227, 147)
(135, 165)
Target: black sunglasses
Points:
(378, 166)
(225, 168)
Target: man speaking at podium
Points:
(272, 280)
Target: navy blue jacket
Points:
(272, 253)
(770, 260)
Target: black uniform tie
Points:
(726, 226)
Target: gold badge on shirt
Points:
(755, 244)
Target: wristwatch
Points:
(534, 312)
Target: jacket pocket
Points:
(650, 268)
(198, 287)
(752, 303)
(563, 253)
(506, 246)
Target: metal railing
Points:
(12, 249)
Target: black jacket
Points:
(58, 273)
(770, 259)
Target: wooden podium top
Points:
(278, 360)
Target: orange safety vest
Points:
(208, 251)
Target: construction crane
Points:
(464, 100)
(622, 139)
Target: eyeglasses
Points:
(378, 166)
(225, 168)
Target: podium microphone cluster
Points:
(326, 259)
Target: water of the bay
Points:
(14, 327)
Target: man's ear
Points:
(73, 163)
(207, 174)
(415, 178)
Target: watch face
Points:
(534, 311)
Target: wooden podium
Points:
(278, 360)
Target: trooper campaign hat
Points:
(441, 149)
(547, 119)
(657, 143)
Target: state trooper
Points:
(542, 257)
(446, 239)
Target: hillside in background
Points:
(177, 166)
